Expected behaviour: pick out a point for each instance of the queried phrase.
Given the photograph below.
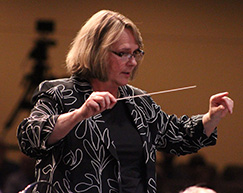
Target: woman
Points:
(85, 140)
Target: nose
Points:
(132, 61)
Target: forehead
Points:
(126, 41)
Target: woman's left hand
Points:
(219, 106)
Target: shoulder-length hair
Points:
(88, 55)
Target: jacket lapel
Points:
(104, 134)
(98, 124)
(138, 116)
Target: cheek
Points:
(114, 67)
(134, 73)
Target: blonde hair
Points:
(88, 55)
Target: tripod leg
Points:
(23, 104)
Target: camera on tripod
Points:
(43, 27)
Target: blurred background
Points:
(186, 42)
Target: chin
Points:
(122, 83)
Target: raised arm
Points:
(96, 103)
(49, 122)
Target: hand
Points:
(96, 103)
(219, 105)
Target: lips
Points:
(126, 73)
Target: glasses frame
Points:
(137, 54)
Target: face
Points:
(119, 71)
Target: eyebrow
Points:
(127, 49)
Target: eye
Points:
(121, 54)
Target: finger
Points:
(111, 100)
(89, 108)
(92, 106)
(219, 96)
(105, 100)
(100, 101)
(229, 104)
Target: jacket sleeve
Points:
(33, 132)
(176, 135)
(182, 135)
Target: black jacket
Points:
(86, 159)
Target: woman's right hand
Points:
(97, 103)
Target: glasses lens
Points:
(138, 55)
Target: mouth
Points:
(126, 73)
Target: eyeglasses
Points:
(125, 57)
